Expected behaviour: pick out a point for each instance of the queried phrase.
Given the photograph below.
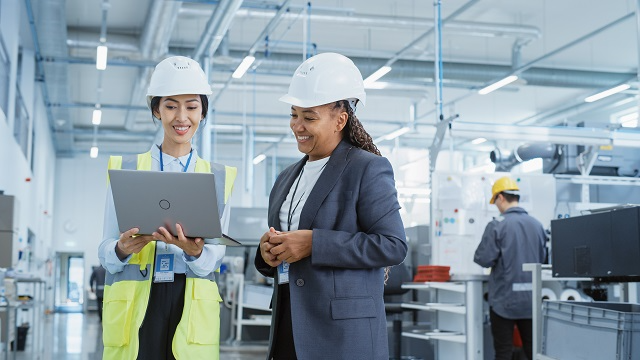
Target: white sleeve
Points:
(110, 236)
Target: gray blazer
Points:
(337, 306)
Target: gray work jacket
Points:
(507, 243)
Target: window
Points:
(21, 123)
(274, 167)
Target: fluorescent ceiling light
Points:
(243, 67)
(497, 85)
(478, 141)
(376, 75)
(378, 85)
(394, 134)
(258, 159)
(97, 117)
(94, 152)
(101, 57)
(629, 120)
(604, 94)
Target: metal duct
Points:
(50, 40)
(386, 22)
(153, 43)
(217, 27)
(505, 160)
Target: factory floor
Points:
(78, 336)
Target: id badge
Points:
(283, 273)
(164, 267)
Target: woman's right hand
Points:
(266, 246)
(130, 243)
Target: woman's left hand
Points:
(191, 246)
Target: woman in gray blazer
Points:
(334, 224)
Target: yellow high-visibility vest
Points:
(126, 294)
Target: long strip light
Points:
(629, 120)
(243, 67)
(258, 159)
(394, 134)
(101, 57)
(604, 94)
(498, 84)
(377, 75)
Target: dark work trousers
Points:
(502, 331)
(283, 347)
(161, 320)
(99, 302)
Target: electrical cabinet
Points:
(8, 231)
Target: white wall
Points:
(81, 186)
(32, 188)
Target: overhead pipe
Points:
(416, 70)
(153, 43)
(530, 64)
(217, 27)
(437, 27)
(505, 160)
(267, 30)
(350, 18)
(51, 27)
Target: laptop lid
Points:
(150, 199)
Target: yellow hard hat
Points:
(504, 184)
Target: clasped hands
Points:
(131, 243)
(279, 246)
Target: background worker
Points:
(153, 312)
(96, 283)
(507, 243)
(335, 224)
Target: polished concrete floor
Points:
(78, 336)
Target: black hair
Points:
(510, 197)
(155, 106)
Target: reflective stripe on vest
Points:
(198, 333)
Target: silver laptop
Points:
(151, 199)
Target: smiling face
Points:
(180, 116)
(318, 130)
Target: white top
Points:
(299, 193)
(211, 256)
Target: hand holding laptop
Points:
(130, 242)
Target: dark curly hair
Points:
(354, 131)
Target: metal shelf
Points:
(459, 338)
(452, 308)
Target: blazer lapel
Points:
(329, 177)
(281, 193)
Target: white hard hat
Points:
(177, 75)
(323, 79)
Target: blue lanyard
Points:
(185, 167)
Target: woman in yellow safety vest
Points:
(153, 312)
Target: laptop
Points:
(151, 199)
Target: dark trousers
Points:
(283, 347)
(502, 331)
(161, 320)
(99, 303)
